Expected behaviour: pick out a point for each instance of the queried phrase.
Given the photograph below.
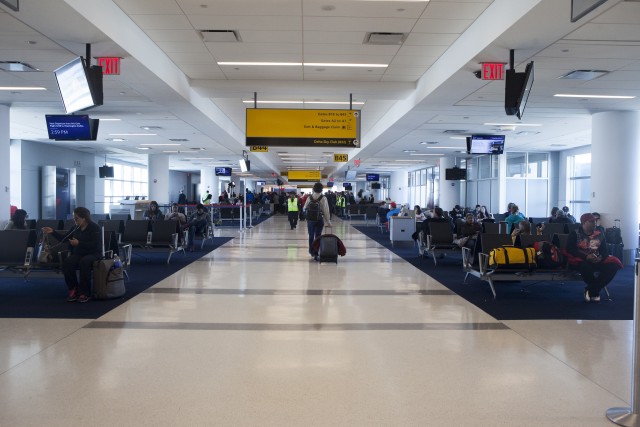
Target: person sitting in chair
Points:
(198, 223)
(84, 240)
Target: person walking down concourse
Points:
(84, 240)
(292, 210)
(316, 210)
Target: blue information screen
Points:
(69, 128)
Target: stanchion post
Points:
(251, 215)
(630, 417)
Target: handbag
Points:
(461, 241)
(44, 252)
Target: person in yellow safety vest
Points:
(341, 204)
(292, 209)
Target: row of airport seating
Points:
(483, 271)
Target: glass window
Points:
(516, 165)
(538, 165)
(127, 181)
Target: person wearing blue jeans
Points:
(316, 210)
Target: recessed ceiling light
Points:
(133, 134)
(116, 139)
(15, 88)
(512, 124)
(410, 151)
(566, 95)
(16, 66)
(159, 145)
(143, 148)
(428, 154)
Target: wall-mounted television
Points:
(347, 185)
(485, 144)
(80, 85)
(375, 186)
(351, 175)
(72, 127)
(517, 90)
(223, 171)
(329, 184)
(373, 177)
(455, 174)
(106, 171)
(259, 183)
(245, 165)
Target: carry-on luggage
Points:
(328, 250)
(108, 279)
(613, 237)
(512, 258)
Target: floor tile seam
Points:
(43, 349)
(298, 292)
(576, 370)
(284, 327)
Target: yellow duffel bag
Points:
(512, 258)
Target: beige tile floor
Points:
(258, 334)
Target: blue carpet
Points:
(521, 300)
(43, 295)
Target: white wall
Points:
(398, 189)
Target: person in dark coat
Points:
(85, 243)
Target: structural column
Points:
(209, 182)
(5, 162)
(615, 175)
(449, 190)
(159, 178)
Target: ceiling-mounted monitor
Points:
(72, 128)
(245, 165)
(347, 185)
(455, 174)
(373, 177)
(223, 171)
(485, 144)
(351, 175)
(106, 171)
(376, 186)
(80, 85)
(517, 90)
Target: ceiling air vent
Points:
(385, 38)
(178, 140)
(220, 36)
(456, 131)
(583, 74)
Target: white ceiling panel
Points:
(259, 23)
(250, 36)
(388, 25)
(350, 49)
(454, 10)
(189, 35)
(430, 39)
(371, 9)
(445, 26)
(135, 7)
(161, 22)
(186, 47)
(241, 7)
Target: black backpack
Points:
(314, 213)
(548, 255)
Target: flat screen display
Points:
(261, 183)
(375, 185)
(106, 171)
(486, 144)
(329, 184)
(74, 85)
(347, 185)
(455, 174)
(351, 175)
(373, 177)
(72, 128)
(221, 171)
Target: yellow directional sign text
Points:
(340, 158)
(259, 149)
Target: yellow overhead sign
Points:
(259, 149)
(304, 175)
(303, 128)
(340, 158)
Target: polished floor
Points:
(256, 333)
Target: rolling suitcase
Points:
(328, 250)
(108, 279)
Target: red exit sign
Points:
(493, 70)
(110, 65)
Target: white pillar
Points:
(159, 178)
(615, 175)
(209, 181)
(5, 162)
(449, 190)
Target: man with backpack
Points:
(316, 210)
